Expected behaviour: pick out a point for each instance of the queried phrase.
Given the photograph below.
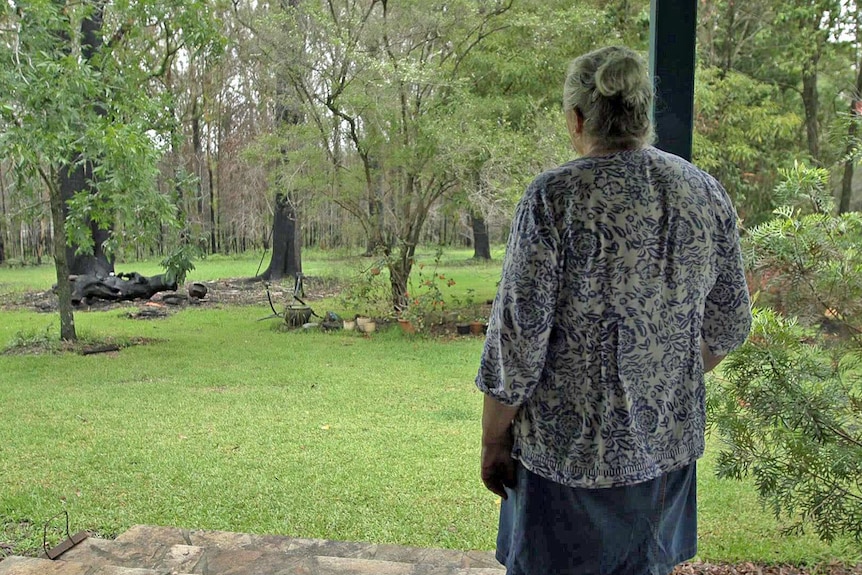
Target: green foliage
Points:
(43, 340)
(367, 291)
(789, 405)
(742, 134)
(425, 297)
(64, 106)
(180, 261)
(790, 411)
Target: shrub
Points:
(789, 402)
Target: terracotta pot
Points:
(407, 326)
(476, 327)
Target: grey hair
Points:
(612, 90)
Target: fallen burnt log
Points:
(119, 287)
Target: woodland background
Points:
(222, 127)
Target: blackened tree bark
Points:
(286, 258)
(121, 287)
(481, 241)
(286, 237)
(72, 181)
(78, 177)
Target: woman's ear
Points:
(575, 125)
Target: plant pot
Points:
(361, 321)
(297, 315)
(476, 327)
(369, 326)
(349, 325)
(407, 326)
(463, 328)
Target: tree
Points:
(789, 402)
(742, 134)
(82, 113)
(852, 149)
(376, 79)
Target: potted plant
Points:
(406, 325)
(477, 327)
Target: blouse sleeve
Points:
(522, 316)
(727, 313)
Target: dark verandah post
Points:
(673, 33)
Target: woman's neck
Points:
(595, 149)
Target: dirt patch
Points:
(233, 292)
(47, 346)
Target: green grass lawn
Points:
(226, 423)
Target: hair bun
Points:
(622, 75)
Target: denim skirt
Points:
(644, 529)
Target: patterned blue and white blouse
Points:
(616, 267)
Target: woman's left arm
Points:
(523, 313)
(521, 322)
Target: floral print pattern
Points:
(616, 268)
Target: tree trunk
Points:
(80, 177)
(286, 248)
(399, 273)
(213, 228)
(376, 242)
(376, 217)
(855, 103)
(481, 242)
(197, 156)
(97, 262)
(64, 288)
(849, 165)
(3, 226)
(811, 104)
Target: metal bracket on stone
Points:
(65, 545)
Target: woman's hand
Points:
(498, 467)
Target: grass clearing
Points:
(226, 423)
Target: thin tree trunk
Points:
(399, 273)
(64, 287)
(849, 165)
(213, 227)
(3, 227)
(198, 153)
(811, 105)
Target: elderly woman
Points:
(622, 286)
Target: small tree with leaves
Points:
(79, 94)
(788, 403)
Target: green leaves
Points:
(788, 403)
